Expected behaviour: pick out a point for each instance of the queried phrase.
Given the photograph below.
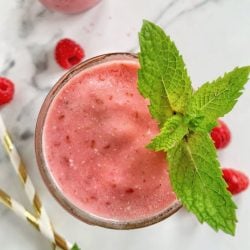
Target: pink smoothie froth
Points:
(94, 141)
(69, 6)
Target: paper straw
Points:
(45, 225)
(22, 213)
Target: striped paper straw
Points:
(46, 226)
(22, 213)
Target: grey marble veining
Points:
(212, 35)
(7, 65)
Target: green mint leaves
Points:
(214, 100)
(171, 133)
(186, 118)
(75, 247)
(163, 78)
(196, 179)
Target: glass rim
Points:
(50, 181)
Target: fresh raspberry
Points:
(236, 180)
(221, 135)
(68, 53)
(6, 90)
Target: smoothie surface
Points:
(69, 6)
(94, 141)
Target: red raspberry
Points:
(221, 135)
(68, 53)
(236, 180)
(6, 90)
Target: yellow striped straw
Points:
(22, 213)
(41, 215)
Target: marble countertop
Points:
(212, 35)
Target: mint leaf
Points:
(197, 180)
(171, 134)
(215, 99)
(75, 247)
(163, 77)
(185, 118)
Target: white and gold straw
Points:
(45, 226)
(22, 213)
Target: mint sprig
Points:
(186, 118)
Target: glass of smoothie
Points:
(90, 143)
(69, 6)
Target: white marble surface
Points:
(213, 36)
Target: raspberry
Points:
(68, 53)
(236, 180)
(221, 135)
(6, 90)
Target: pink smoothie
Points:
(94, 140)
(69, 6)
